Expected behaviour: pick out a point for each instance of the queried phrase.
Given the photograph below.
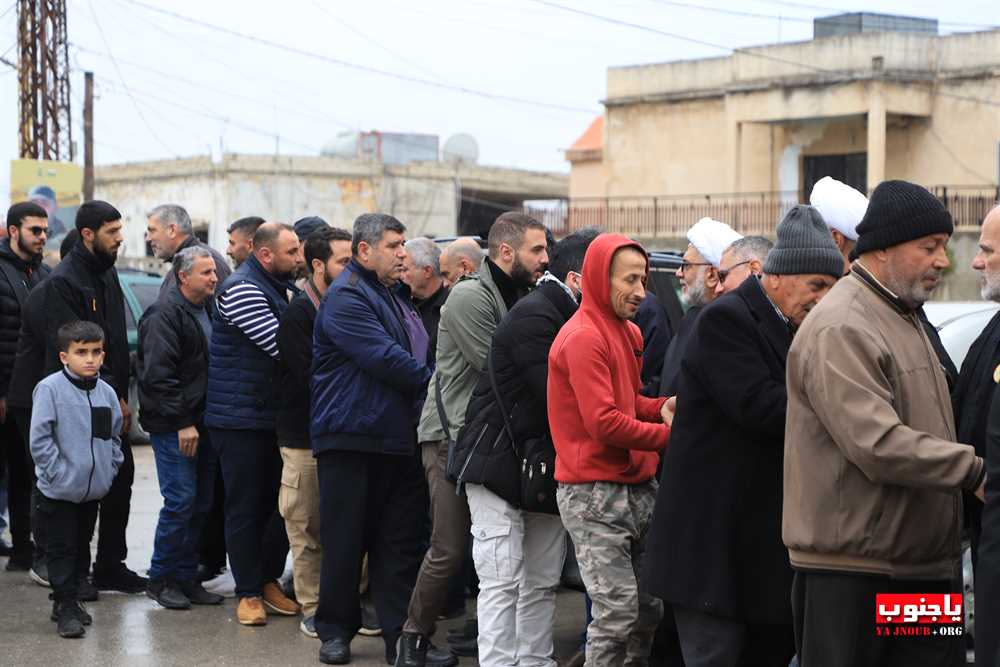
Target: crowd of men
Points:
(378, 407)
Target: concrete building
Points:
(743, 137)
(432, 198)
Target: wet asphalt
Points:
(134, 630)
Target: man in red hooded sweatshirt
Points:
(606, 438)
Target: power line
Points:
(121, 78)
(823, 8)
(356, 66)
(746, 52)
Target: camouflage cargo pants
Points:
(608, 523)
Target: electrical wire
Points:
(742, 51)
(121, 78)
(357, 66)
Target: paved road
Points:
(135, 631)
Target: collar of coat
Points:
(868, 278)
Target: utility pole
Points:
(88, 136)
(44, 129)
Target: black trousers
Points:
(375, 504)
(835, 624)
(255, 532)
(115, 507)
(14, 458)
(212, 546)
(70, 527)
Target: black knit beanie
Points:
(898, 212)
(804, 246)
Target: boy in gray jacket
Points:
(75, 422)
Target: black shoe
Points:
(86, 591)
(469, 630)
(335, 652)
(206, 573)
(467, 648)
(68, 623)
(20, 561)
(120, 579)
(39, 573)
(196, 593)
(82, 614)
(415, 650)
(370, 626)
(167, 594)
(5, 549)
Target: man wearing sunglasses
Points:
(21, 269)
(744, 258)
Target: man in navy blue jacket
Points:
(241, 406)
(369, 381)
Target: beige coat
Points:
(872, 470)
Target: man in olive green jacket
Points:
(476, 304)
(872, 473)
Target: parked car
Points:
(140, 290)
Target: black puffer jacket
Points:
(520, 354)
(172, 365)
(17, 278)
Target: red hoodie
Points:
(602, 427)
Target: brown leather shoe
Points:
(251, 612)
(276, 601)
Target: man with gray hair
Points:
(423, 275)
(462, 257)
(172, 377)
(168, 231)
(745, 257)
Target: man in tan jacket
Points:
(873, 475)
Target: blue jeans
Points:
(187, 486)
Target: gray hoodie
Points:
(75, 442)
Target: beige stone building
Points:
(745, 136)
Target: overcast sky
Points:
(167, 87)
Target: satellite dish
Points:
(461, 149)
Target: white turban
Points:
(841, 206)
(711, 238)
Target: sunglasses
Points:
(724, 273)
(38, 231)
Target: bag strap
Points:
(440, 406)
(499, 399)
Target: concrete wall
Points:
(586, 178)
(425, 196)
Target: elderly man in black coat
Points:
(715, 551)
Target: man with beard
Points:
(870, 433)
(699, 277)
(241, 239)
(84, 286)
(168, 231)
(241, 411)
(518, 256)
(21, 269)
(714, 551)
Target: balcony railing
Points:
(748, 213)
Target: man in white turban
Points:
(842, 208)
(699, 277)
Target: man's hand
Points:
(126, 417)
(3, 410)
(668, 410)
(187, 439)
(981, 491)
